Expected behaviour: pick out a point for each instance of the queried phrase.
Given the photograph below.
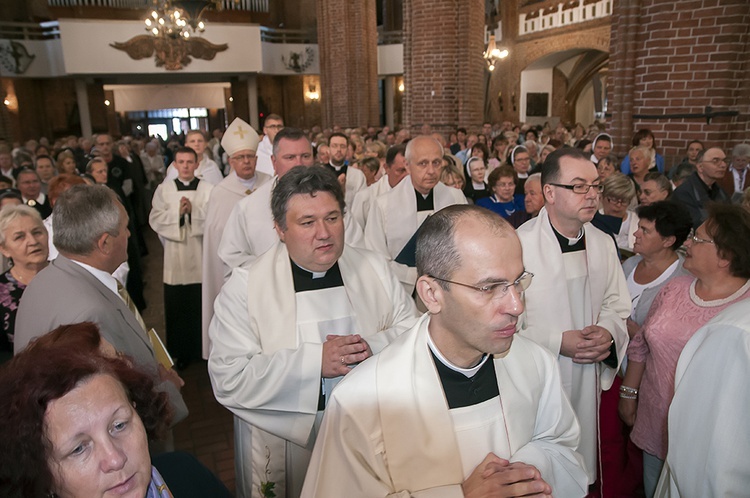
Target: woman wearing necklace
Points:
(718, 259)
(23, 240)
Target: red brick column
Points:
(679, 62)
(443, 66)
(348, 44)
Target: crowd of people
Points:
(517, 290)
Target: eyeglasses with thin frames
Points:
(496, 290)
(581, 188)
(696, 240)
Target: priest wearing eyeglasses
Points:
(579, 302)
(458, 405)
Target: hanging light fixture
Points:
(179, 19)
(492, 55)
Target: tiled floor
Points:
(207, 432)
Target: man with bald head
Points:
(395, 216)
(427, 415)
(240, 143)
(702, 186)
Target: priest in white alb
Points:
(249, 230)
(291, 325)
(239, 142)
(579, 302)
(395, 216)
(458, 405)
(395, 171)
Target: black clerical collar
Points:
(570, 245)
(461, 390)
(307, 281)
(193, 185)
(338, 169)
(425, 203)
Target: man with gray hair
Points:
(736, 180)
(287, 328)
(396, 215)
(90, 228)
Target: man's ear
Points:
(279, 231)
(430, 293)
(548, 193)
(104, 243)
(273, 164)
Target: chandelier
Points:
(179, 19)
(492, 55)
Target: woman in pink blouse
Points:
(719, 261)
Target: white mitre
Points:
(239, 136)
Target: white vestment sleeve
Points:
(376, 240)
(232, 248)
(349, 457)
(553, 449)
(275, 392)
(165, 215)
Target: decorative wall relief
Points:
(15, 57)
(299, 61)
(170, 53)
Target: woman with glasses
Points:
(718, 259)
(619, 192)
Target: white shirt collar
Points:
(102, 276)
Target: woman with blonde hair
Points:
(619, 192)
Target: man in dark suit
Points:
(91, 232)
(702, 186)
(737, 179)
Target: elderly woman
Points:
(520, 160)
(718, 259)
(476, 188)
(656, 187)
(503, 201)
(77, 421)
(645, 138)
(606, 167)
(640, 159)
(23, 241)
(618, 193)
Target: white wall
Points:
(153, 97)
(535, 81)
(86, 50)
(390, 59)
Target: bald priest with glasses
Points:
(579, 302)
(458, 405)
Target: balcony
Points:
(242, 5)
(560, 15)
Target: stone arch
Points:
(504, 91)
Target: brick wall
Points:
(668, 61)
(347, 40)
(443, 66)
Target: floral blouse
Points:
(11, 291)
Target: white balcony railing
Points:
(245, 5)
(564, 15)
(29, 31)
